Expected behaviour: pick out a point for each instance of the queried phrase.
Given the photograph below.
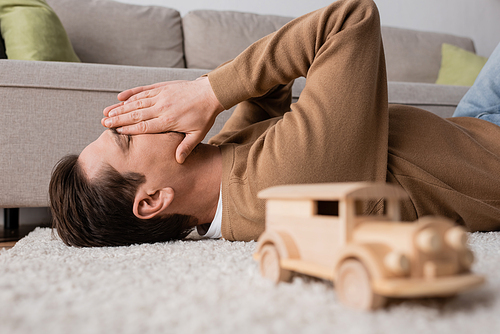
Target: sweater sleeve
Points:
(338, 129)
(289, 52)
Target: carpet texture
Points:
(209, 286)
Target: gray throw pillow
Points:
(213, 37)
(110, 32)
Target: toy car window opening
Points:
(327, 208)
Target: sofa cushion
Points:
(32, 31)
(415, 56)
(213, 37)
(459, 67)
(109, 32)
(439, 99)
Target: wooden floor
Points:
(7, 245)
(8, 238)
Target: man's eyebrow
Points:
(120, 140)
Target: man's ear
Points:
(147, 206)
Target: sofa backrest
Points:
(110, 32)
(213, 37)
(415, 56)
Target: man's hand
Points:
(189, 107)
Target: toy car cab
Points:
(327, 231)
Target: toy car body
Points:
(324, 230)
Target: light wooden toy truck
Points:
(320, 230)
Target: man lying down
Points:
(148, 179)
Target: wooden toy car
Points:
(322, 230)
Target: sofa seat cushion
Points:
(213, 37)
(441, 100)
(32, 31)
(110, 32)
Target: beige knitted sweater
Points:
(342, 128)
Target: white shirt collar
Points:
(215, 229)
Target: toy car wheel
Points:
(354, 289)
(270, 265)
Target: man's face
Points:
(150, 155)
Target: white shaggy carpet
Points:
(209, 286)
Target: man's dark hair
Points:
(98, 212)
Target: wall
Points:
(478, 19)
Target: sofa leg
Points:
(11, 218)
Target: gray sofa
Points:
(50, 109)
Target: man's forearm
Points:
(283, 55)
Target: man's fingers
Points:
(146, 94)
(142, 127)
(146, 126)
(136, 129)
(186, 147)
(126, 108)
(129, 118)
(127, 94)
(108, 109)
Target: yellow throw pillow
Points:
(31, 30)
(459, 67)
